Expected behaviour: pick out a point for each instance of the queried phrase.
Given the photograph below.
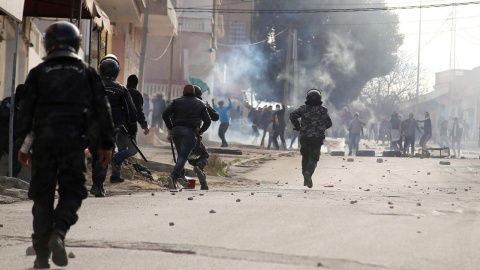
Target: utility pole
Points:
(295, 68)
(144, 45)
(418, 60)
(287, 68)
(170, 77)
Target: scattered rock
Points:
(279, 195)
(359, 187)
(31, 251)
(319, 264)
(367, 189)
(350, 160)
(444, 162)
(171, 224)
(156, 214)
(390, 203)
(173, 193)
(252, 193)
(466, 189)
(353, 202)
(419, 232)
(71, 255)
(286, 183)
(201, 194)
(212, 211)
(428, 173)
(153, 194)
(238, 200)
(379, 160)
(391, 206)
(419, 204)
(190, 198)
(1, 225)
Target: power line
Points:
(325, 10)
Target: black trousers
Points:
(310, 150)
(56, 161)
(409, 139)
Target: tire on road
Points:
(392, 153)
(337, 153)
(365, 153)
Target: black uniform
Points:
(314, 121)
(63, 96)
(123, 114)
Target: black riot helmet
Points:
(198, 91)
(109, 67)
(62, 39)
(314, 97)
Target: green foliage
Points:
(216, 166)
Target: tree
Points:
(337, 52)
(384, 94)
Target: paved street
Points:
(404, 213)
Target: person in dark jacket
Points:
(314, 121)
(63, 95)
(410, 125)
(265, 121)
(198, 158)
(5, 110)
(427, 130)
(124, 117)
(159, 106)
(125, 142)
(279, 126)
(183, 119)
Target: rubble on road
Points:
(13, 190)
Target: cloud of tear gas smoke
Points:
(337, 52)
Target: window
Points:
(238, 32)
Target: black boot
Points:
(41, 262)
(57, 247)
(116, 179)
(98, 190)
(202, 178)
(307, 180)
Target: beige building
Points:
(456, 94)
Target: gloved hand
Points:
(146, 131)
(199, 132)
(105, 156)
(25, 159)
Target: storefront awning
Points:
(12, 8)
(63, 9)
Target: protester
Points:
(409, 127)
(224, 119)
(126, 144)
(159, 106)
(427, 130)
(456, 134)
(394, 131)
(314, 121)
(443, 137)
(63, 95)
(265, 120)
(355, 129)
(384, 130)
(183, 119)
(279, 125)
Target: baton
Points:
(135, 145)
(173, 152)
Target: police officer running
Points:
(124, 115)
(63, 94)
(198, 158)
(125, 145)
(314, 121)
(183, 118)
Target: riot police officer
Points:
(183, 118)
(63, 94)
(314, 121)
(198, 158)
(124, 117)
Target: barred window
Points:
(238, 32)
